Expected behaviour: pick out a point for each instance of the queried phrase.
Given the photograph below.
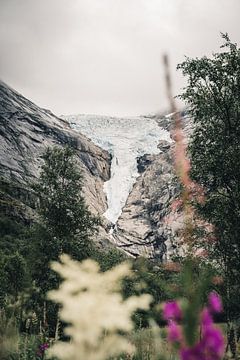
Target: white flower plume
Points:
(94, 309)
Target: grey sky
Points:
(104, 56)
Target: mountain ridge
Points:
(26, 130)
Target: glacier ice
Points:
(126, 138)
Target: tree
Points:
(61, 203)
(15, 270)
(64, 214)
(213, 99)
(65, 223)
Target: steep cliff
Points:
(142, 228)
(26, 130)
(126, 138)
(138, 177)
(150, 222)
(143, 184)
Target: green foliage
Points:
(9, 227)
(14, 247)
(15, 269)
(150, 344)
(28, 348)
(16, 346)
(107, 259)
(26, 251)
(9, 337)
(151, 279)
(14, 272)
(59, 190)
(66, 223)
(12, 235)
(213, 99)
(65, 226)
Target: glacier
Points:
(126, 139)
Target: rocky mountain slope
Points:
(143, 159)
(26, 131)
(149, 224)
(143, 184)
(141, 228)
(126, 138)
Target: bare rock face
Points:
(27, 130)
(150, 225)
(141, 229)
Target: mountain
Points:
(127, 139)
(129, 177)
(142, 185)
(26, 130)
(151, 223)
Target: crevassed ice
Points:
(126, 139)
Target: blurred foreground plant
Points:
(210, 344)
(9, 336)
(196, 338)
(97, 316)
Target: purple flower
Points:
(172, 311)
(206, 318)
(213, 342)
(44, 347)
(210, 347)
(215, 303)
(193, 353)
(174, 332)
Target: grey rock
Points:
(143, 228)
(26, 130)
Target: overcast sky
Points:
(104, 56)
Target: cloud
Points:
(104, 56)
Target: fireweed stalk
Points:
(186, 317)
(190, 189)
(210, 346)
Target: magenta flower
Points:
(210, 346)
(42, 348)
(174, 332)
(212, 343)
(193, 353)
(172, 311)
(206, 318)
(215, 303)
